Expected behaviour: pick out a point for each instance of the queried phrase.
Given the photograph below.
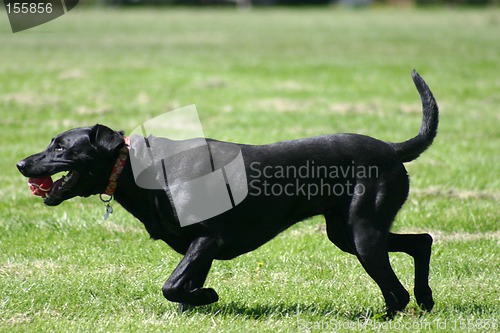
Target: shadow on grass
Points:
(283, 309)
(373, 313)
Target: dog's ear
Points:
(105, 139)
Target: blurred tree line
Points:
(248, 3)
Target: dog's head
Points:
(87, 154)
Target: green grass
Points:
(255, 76)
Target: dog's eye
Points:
(59, 148)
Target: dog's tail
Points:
(411, 149)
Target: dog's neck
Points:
(159, 222)
(118, 168)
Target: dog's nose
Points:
(20, 165)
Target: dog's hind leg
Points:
(370, 217)
(185, 284)
(371, 248)
(361, 234)
(419, 247)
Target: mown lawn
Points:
(256, 76)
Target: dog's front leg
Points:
(185, 284)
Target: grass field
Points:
(256, 77)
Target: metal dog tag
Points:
(109, 210)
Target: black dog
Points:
(359, 208)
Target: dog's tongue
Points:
(40, 186)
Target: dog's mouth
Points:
(53, 193)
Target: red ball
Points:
(40, 186)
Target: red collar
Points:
(118, 168)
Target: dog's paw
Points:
(424, 298)
(204, 296)
(389, 314)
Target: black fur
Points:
(358, 223)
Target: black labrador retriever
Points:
(358, 216)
